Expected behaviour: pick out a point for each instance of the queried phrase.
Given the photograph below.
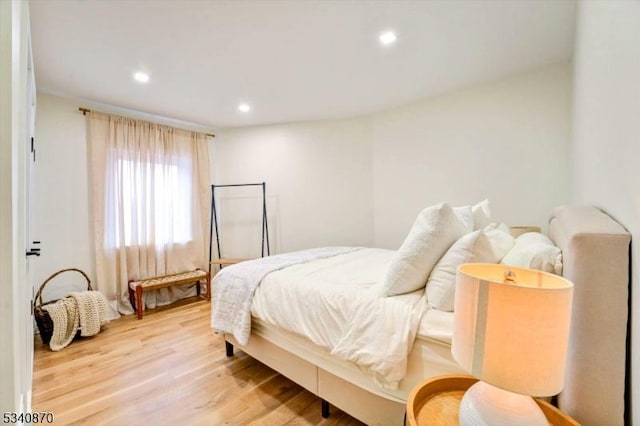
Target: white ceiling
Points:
(291, 60)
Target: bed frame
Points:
(595, 250)
(596, 259)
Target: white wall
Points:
(61, 216)
(499, 140)
(507, 141)
(606, 144)
(318, 177)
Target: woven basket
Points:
(43, 320)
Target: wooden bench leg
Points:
(139, 301)
(229, 348)
(208, 286)
(198, 288)
(132, 298)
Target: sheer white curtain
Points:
(151, 202)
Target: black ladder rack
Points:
(214, 220)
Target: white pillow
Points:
(536, 251)
(501, 226)
(481, 214)
(432, 233)
(465, 215)
(534, 237)
(501, 239)
(476, 247)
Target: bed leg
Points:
(229, 347)
(325, 409)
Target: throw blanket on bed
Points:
(87, 310)
(234, 285)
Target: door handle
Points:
(34, 251)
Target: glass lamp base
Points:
(484, 404)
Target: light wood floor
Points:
(167, 369)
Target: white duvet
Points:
(337, 303)
(234, 287)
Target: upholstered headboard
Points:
(596, 259)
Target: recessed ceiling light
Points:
(244, 108)
(387, 38)
(141, 77)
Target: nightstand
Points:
(436, 401)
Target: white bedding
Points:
(234, 286)
(436, 325)
(336, 302)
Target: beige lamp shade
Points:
(512, 335)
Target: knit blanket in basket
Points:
(87, 311)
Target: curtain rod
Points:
(84, 111)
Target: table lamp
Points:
(511, 331)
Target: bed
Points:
(595, 253)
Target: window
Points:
(155, 204)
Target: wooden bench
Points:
(137, 287)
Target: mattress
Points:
(307, 306)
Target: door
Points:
(16, 321)
(31, 244)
